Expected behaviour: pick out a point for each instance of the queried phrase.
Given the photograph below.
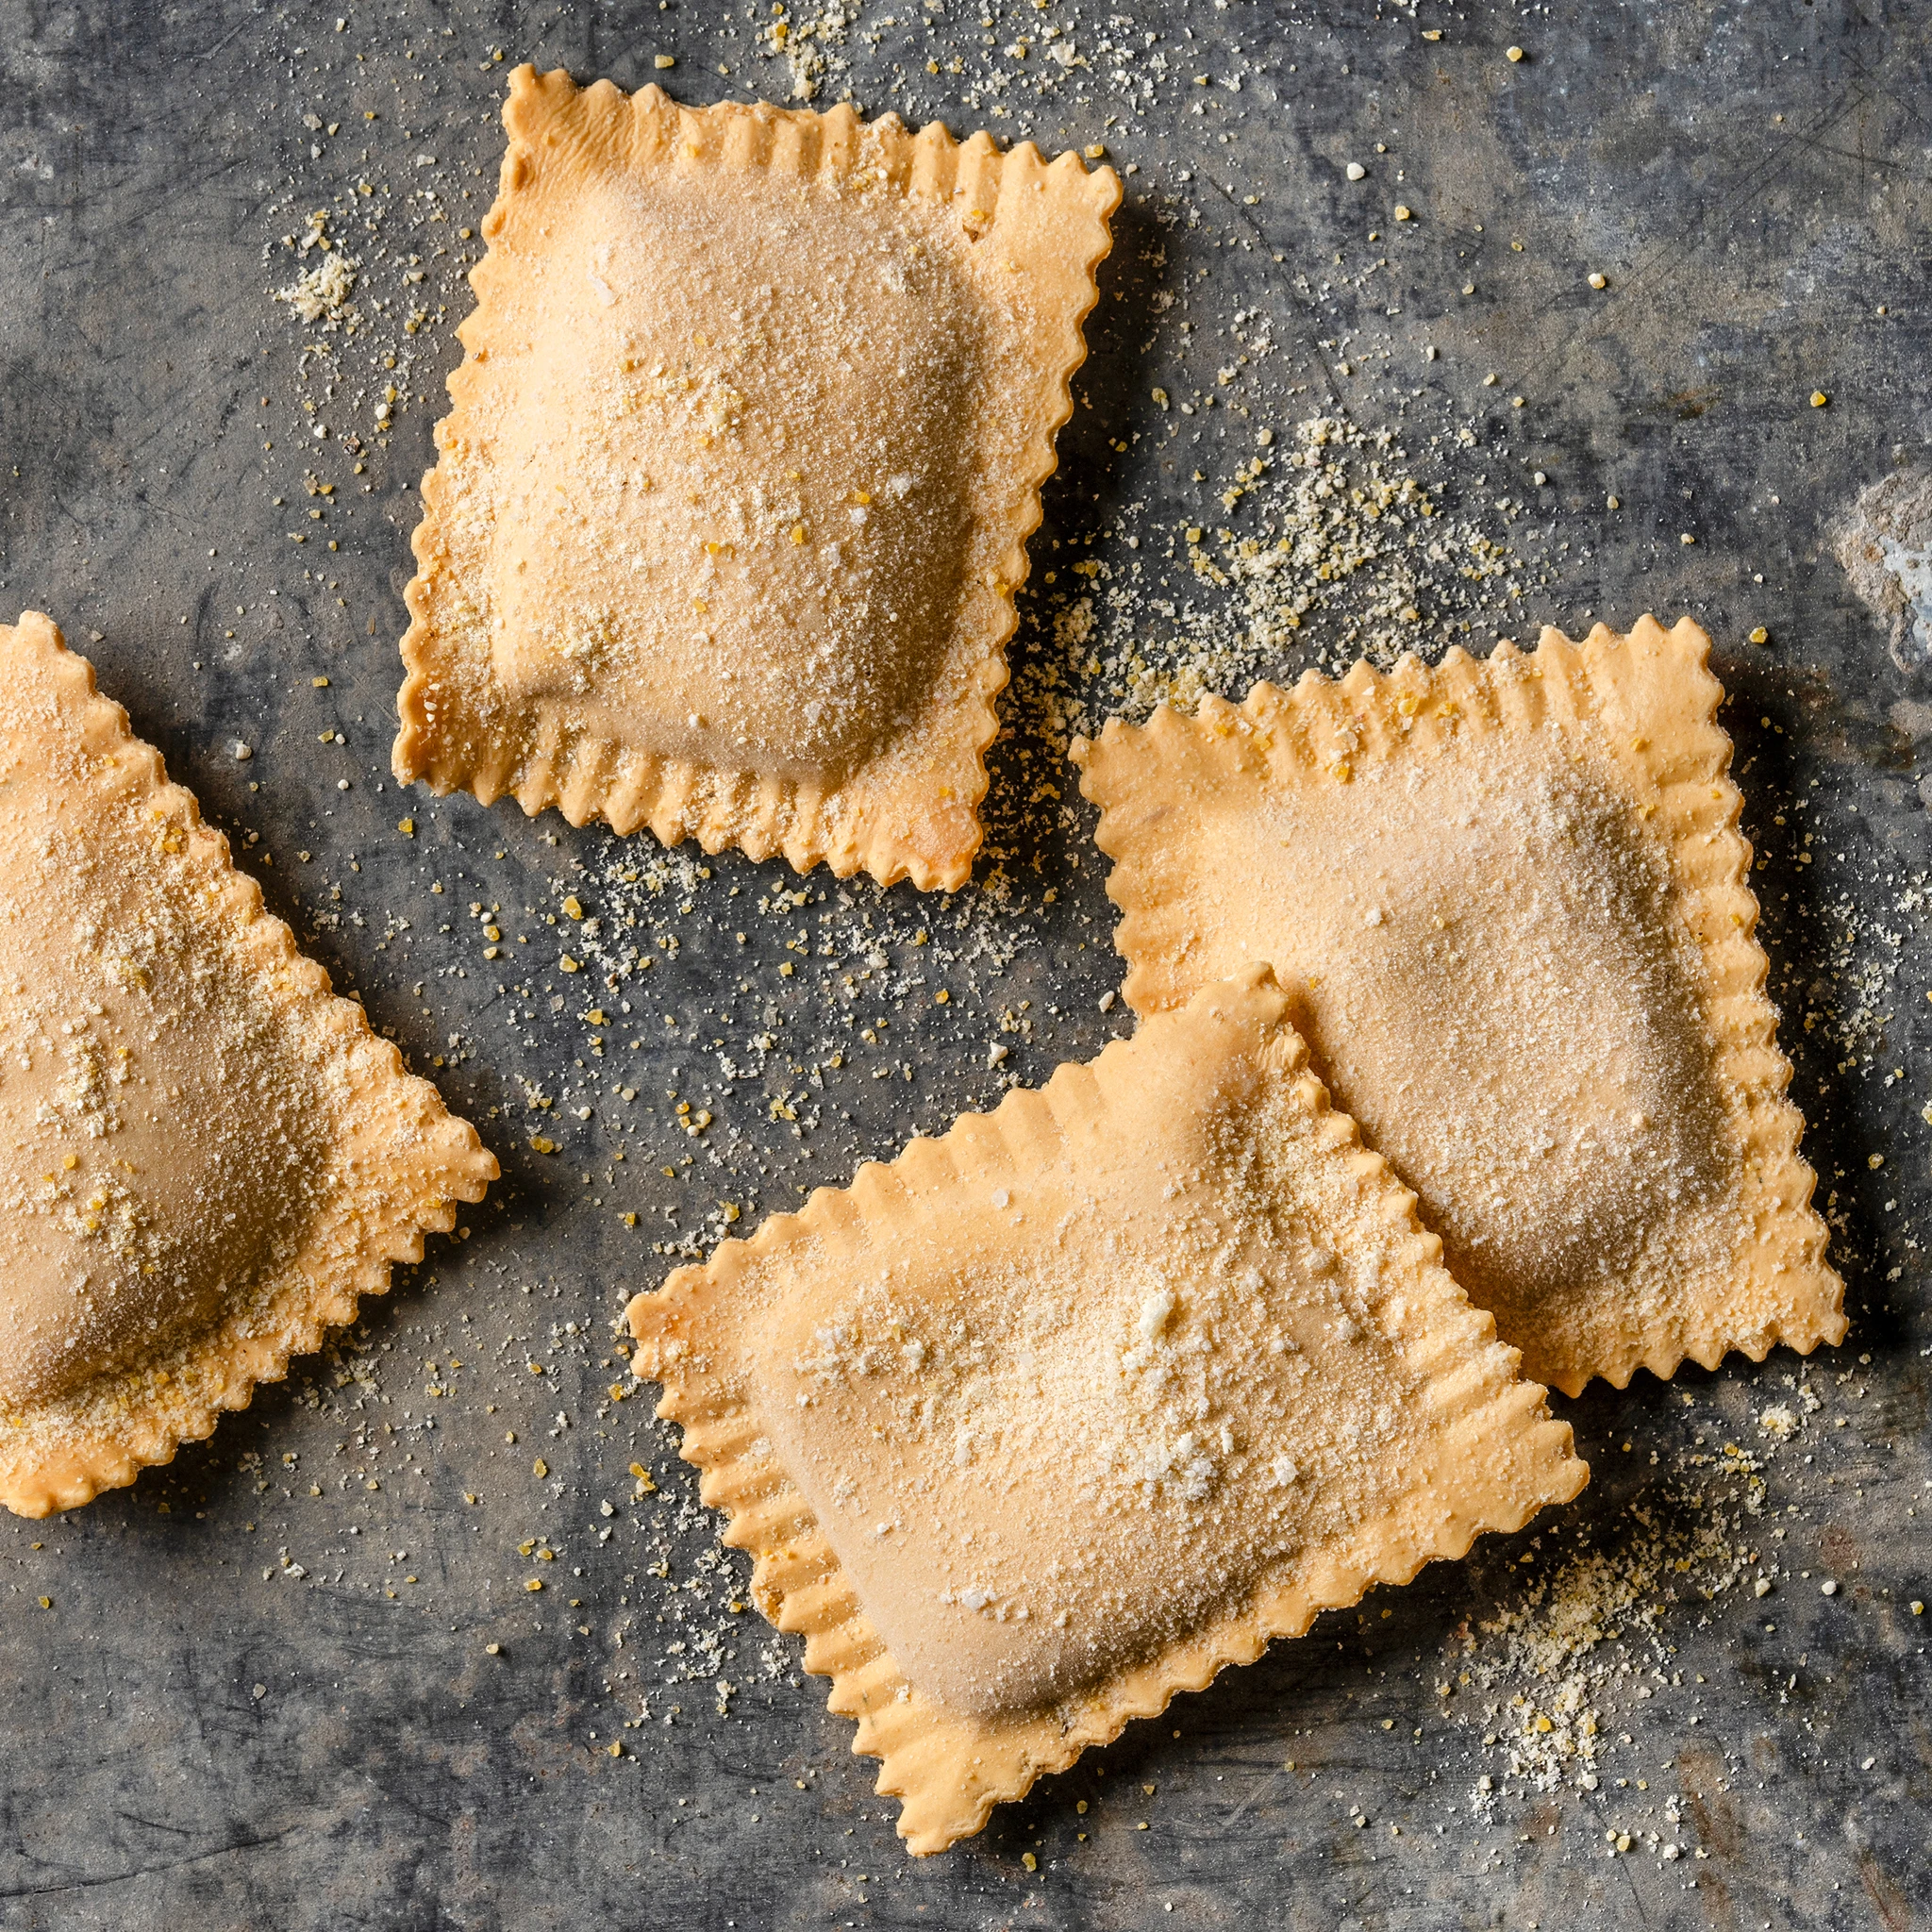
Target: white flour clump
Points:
(322, 293)
(802, 41)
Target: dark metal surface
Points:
(262, 1693)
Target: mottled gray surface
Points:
(236, 1713)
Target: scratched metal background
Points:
(187, 1743)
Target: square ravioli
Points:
(205, 1155)
(1062, 1413)
(734, 495)
(1511, 899)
